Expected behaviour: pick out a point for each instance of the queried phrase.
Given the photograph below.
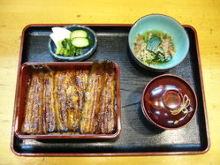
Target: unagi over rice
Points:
(75, 101)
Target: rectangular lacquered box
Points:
(20, 103)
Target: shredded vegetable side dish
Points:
(154, 47)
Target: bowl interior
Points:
(86, 51)
(164, 24)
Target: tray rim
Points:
(110, 154)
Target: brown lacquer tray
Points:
(137, 137)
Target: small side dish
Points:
(158, 42)
(154, 47)
(71, 100)
(72, 43)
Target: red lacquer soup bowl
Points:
(169, 102)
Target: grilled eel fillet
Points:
(60, 99)
(72, 99)
(92, 95)
(49, 118)
(98, 114)
(33, 118)
(81, 79)
(107, 115)
(39, 110)
(26, 127)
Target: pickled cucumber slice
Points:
(78, 34)
(80, 42)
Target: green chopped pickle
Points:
(74, 45)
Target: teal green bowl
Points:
(164, 24)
